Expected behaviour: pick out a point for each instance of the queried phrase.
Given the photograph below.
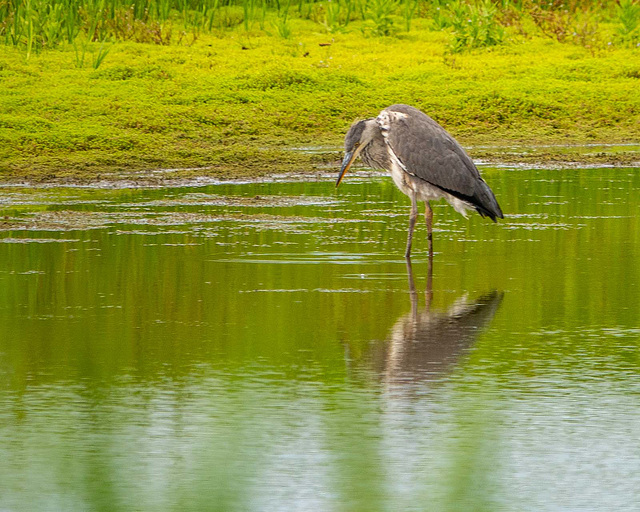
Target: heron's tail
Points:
(485, 202)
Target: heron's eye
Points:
(356, 145)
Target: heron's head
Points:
(359, 135)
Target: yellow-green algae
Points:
(236, 106)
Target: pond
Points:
(263, 346)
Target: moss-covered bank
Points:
(238, 105)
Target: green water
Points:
(257, 347)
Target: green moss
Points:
(233, 105)
(155, 72)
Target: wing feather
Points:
(427, 151)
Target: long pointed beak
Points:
(346, 163)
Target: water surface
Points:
(260, 347)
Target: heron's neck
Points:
(375, 153)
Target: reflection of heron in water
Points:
(424, 345)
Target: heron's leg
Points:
(412, 224)
(428, 217)
(428, 293)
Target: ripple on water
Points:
(67, 220)
(257, 201)
(37, 240)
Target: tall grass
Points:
(337, 15)
(36, 25)
(628, 17)
(379, 16)
(283, 23)
(475, 25)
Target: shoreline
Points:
(324, 165)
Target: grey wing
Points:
(430, 153)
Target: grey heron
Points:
(425, 161)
